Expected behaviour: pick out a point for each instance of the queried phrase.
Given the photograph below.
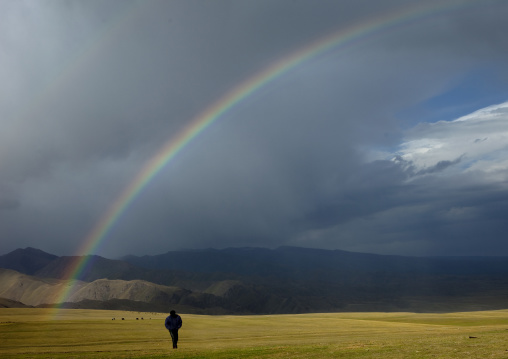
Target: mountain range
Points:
(257, 281)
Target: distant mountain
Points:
(284, 280)
(28, 260)
(313, 263)
(97, 267)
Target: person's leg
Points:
(174, 337)
(175, 334)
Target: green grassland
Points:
(40, 333)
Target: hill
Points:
(8, 303)
(20, 288)
(284, 280)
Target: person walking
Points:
(173, 323)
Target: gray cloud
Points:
(91, 90)
(440, 166)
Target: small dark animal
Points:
(470, 337)
(123, 318)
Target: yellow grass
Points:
(30, 333)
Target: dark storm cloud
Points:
(440, 166)
(426, 216)
(91, 90)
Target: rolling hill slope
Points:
(133, 295)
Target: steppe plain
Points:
(72, 333)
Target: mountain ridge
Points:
(282, 280)
(28, 260)
(304, 259)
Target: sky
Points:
(392, 142)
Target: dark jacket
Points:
(173, 323)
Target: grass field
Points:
(29, 333)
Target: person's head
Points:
(172, 313)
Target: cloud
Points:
(91, 90)
(477, 141)
(425, 199)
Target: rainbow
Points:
(229, 100)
